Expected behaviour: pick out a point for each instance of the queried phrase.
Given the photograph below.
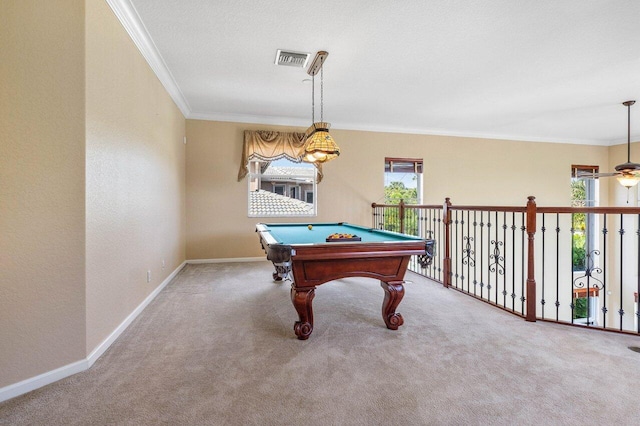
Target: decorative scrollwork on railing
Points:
(498, 259)
(467, 253)
(588, 280)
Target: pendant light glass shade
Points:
(320, 146)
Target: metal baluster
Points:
(523, 229)
(489, 286)
(621, 231)
(637, 295)
(481, 253)
(572, 305)
(543, 229)
(462, 277)
(439, 227)
(557, 303)
(475, 276)
(468, 247)
(455, 251)
(513, 261)
(504, 277)
(604, 268)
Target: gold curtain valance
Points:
(270, 146)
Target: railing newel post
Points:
(531, 279)
(446, 264)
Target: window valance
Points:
(268, 145)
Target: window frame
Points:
(256, 179)
(406, 165)
(591, 188)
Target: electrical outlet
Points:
(163, 264)
(148, 276)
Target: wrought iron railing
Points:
(524, 260)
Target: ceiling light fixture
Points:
(319, 146)
(629, 171)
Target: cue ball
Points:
(310, 226)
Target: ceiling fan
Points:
(628, 174)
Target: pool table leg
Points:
(302, 299)
(393, 294)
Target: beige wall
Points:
(135, 176)
(92, 183)
(42, 235)
(470, 171)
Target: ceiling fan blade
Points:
(589, 175)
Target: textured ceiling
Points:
(544, 70)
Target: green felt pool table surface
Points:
(299, 233)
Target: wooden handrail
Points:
(410, 206)
(520, 209)
(508, 209)
(596, 210)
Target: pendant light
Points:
(319, 146)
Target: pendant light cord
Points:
(322, 94)
(313, 98)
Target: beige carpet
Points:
(217, 347)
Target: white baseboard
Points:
(228, 260)
(41, 380)
(49, 377)
(102, 347)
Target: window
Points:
(308, 196)
(275, 188)
(278, 189)
(277, 175)
(402, 180)
(583, 194)
(584, 191)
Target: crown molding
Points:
(130, 20)
(253, 119)
(298, 122)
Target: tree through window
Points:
(402, 180)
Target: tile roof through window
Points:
(265, 203)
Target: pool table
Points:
(306, 251)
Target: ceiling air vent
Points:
(292, 59)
